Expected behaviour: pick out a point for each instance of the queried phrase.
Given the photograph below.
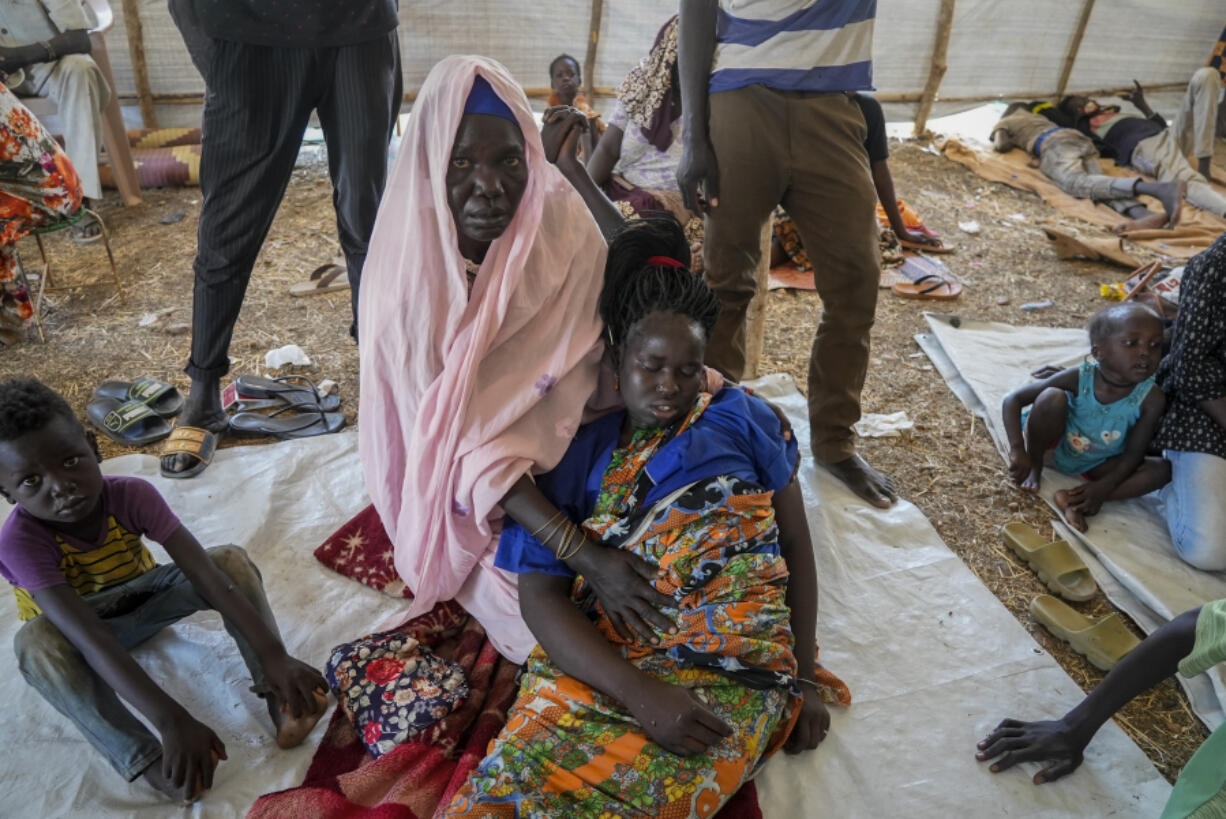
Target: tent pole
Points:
(140, 69)
(940, 48)
(1074, 47)
(593, 40)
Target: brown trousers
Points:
(806, 152)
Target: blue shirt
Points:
(737, 435)
(794, 45)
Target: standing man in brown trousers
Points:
(767, 121)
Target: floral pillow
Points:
(391, 687)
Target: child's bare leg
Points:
(291, 730)
(1044, 427)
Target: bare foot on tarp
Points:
(291, 730)
(1071, 513)
(875, 487)
(1150, 221)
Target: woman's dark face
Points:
(660, 368)
(486, 178)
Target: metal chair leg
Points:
(24, 281)
(106, 242)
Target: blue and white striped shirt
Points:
(794, 45)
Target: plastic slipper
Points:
(939, 248)
(327, 278)
(194, 441)
(159, 396)
(1103, 642)
(131, 423)
(287, 388)
(929, 286)
(308, 423)
(1055, 562)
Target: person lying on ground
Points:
(1191, 644)
(1148, 145)
(45, 52)
(1068, 158)
(565, 80)
(1192, 434)
(786, 244)
(88, 591)
(38, 187)
(701, 488)
(1096, 420)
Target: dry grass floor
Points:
(949, 467)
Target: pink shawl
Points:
(461, 396)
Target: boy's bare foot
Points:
(292, 730)
(1071, 513)
(871, 485)
(1033, 480)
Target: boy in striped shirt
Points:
(89, 590)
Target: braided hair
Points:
(637, 282)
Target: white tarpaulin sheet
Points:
(1127, 546)
(997, 47)
(932, 658)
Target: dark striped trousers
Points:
(259, 102)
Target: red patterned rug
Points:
(413, 780)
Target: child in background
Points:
(1096, 420)
(89, 591)
(566, 78)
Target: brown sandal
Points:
(197, 442)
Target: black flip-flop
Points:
(159, 396)
(131, 423)
(287, 388)
(307, 423)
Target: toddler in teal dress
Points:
(1096, 420)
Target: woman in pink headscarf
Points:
(481, 346)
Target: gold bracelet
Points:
(572, 543)
(568, 541)
(541, 528)
(555, 530)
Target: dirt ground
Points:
(949, 467)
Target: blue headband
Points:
(484, 100)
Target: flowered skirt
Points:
(38, 186)
(568, 750)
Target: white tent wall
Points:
(997, 47)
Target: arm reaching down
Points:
(697, 172)
(797, 551)
(1062, 741)
(190, 749)
(293, 682)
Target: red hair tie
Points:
(663, 261)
